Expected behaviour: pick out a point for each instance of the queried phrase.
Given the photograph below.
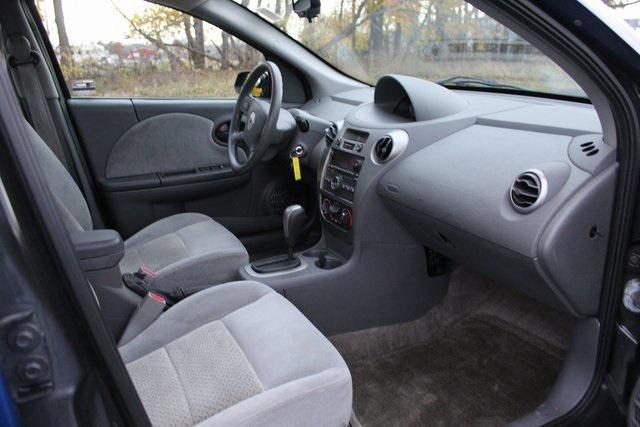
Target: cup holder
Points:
(325, 259)
(316, 253)
(327, 262)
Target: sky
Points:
(92, 21)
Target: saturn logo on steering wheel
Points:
(252, 120)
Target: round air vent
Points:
(528, 191)
(382, 149)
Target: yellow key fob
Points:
(297, 173)
(256, 91)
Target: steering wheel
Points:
(253, 124)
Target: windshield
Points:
(436, 40)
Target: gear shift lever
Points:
(293, 220)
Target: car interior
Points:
(318, 249)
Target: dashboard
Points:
(518, 187)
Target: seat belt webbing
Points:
(24, 61)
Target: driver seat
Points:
(187, 248)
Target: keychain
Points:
(295, 163)
(295, 155)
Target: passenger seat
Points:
(188, 250)
(238, 354)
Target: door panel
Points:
(155, 158)
(131, 210)
(100, 123)
(166, 144)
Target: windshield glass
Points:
(432, 39)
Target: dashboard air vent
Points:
(331, 133)
(528, 191)
(382, 149)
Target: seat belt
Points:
(24, 60)
(149, 309)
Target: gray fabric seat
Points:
(187, 248)
(184, 249)
(238, 354)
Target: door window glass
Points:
(125, 48)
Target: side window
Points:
(131, 48)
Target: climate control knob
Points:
(326, 206)
(345, 217)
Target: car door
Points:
(151, 93)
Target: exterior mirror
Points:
(240, 79)
(308, 9)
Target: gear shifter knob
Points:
(293, 220)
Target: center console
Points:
(361, 261)
(339, 179)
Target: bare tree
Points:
(66, 55)
(198, 27)
(195, 40)
(354, 18)
(376, 26)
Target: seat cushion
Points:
(238, 354)
(189, 250)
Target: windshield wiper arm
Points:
(465, 81)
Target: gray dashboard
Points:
(450, 189)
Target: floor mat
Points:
(479, 371)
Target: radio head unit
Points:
(344, 162)
(340, 174)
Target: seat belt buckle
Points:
(149, 309)
(145, 273)
(141, 281)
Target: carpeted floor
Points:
(485, 356)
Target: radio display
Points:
(356, 135)
(346, 161)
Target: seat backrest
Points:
(71, 203)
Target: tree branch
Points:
(350, 29)
(620, 3)
(355, 24)
(158, 42)
(194, 50)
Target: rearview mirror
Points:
(308, 9)
(240, 79)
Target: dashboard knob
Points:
(335, 182)
(326, 206)
(345, 217)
